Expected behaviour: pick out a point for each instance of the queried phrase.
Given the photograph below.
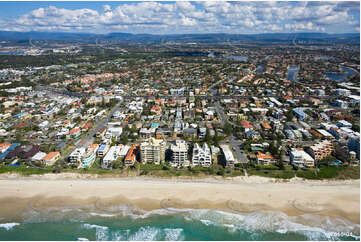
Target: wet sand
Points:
(296, 197)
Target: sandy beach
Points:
(239, 194)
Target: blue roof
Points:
(155, 125)
(60, 145)
(102, 146)
(18, 115)
(13, 146)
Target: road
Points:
(240, 156)
(101, 123)
(98, 126)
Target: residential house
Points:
(51, 158)
(265, 159)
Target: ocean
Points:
(125, 222)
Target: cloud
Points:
(193, 17)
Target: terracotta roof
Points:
(51, 155)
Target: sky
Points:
(181, 17)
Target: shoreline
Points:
(235, 195)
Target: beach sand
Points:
(239, 194)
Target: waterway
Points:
(237, 58)
(292, 73)
(341, 76)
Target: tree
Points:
(280, 161)
(227, 128)
(289, 115)
(273, 148)
(215, 139)
(356, 127)
(207, 137)
(124, 139)
(113, 143)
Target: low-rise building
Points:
(103, 149)
(89, 156)
(354, 144)
(299, 157)
(265, 159)
(111, 156)
(51, 158)
(320, 150)
(75, 156)
(228, 155)
(38, 156)
(130, 159)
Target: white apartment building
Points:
(152, 151)
(113, 132)
(75, 156)
(179, 154)
(111, 156)
(103, 149)
(201, 155)
(230, 160)
(301, 158)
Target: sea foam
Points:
(8, 226)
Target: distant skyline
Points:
(181, 17)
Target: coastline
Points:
(238, 194)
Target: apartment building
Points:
(152, 151)
(201, 155)
(228, 155)
(103, 149)
(299, 157)
(179, 154)
(75, 156)
(130, 159)
(321, 150)
(265, 159)
(354, 144)
(111, 156)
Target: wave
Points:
(311, 226)
(8, 226)
(102, 214)
(147, 233)
(314, 227)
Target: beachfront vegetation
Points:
(324, 172)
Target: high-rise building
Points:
(152, 151)
(179, 154)
(201, 155)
